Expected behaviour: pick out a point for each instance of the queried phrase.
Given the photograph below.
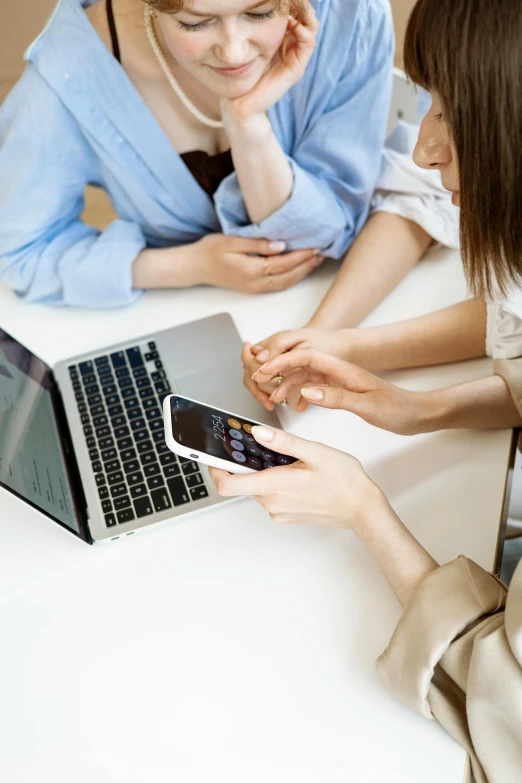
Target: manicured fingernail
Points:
(263, 356)
(312, 394)
(273, 395)
(263, 433)
(278, 247)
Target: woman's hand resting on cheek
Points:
(286, 70)
(333, 383)
(326, 487)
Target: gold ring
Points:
(277, 380)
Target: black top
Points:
(208, 170)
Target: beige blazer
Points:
(456, 655)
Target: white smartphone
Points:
(214, 437)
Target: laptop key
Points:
(121, 432)
(134, 478)
(161, 446)
(145, 445)
(148, 458)
(118, 421)
(129, 392)
(122, 372)
(118, 359)
(125, 443)
(158, 375)
(93, 454)
(103, 432)
(127, 515)
(147, 392)
(178, 491)
(107, 379)
(140, 372)
(198, 493)
(95, 399)
(91, 443)
(190, 467)
(101, 360)
(143, 507)
(150, 402)
(100, 421)
(162, 386)
(82, 407)
(134, 356)
(106, 443)
(110, 520)
(138, 491)
(168, 458)
(73, 373)
(131, 466)
(97, 410)
(86, 367)
(117, 490)
(131, 402)
(88, 379)
(79, 397)
(85, 418)
(160, 499)
(137, 424)
(141, 383)
(115, 478)
(152, 345)
(109, 390)
(134, 413)
(152, 356)
(115, 410)
(92, 389)
(151, 470)
(122, 502)
(141, 435)
(104, 370)
(194, 480)
(103, 492)
(158, 364)
(124, 382)
(97, 466)
(106, 506)
(111, 466)
(155, 481)
(100, 480)
(112, 399)
(77, 386)
(171, 470)
(158, 437)
(127, 454)
(156, 425)
(109, 454)
(153, 413)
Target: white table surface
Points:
(225, 648)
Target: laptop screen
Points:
(32, 463)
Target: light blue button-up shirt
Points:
(76, 118)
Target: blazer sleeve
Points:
(335, 161)
(456, 655)
(47, 254)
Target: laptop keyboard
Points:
(119, 398)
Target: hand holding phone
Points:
(216, 438)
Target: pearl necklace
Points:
(148, 14)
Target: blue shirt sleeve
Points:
(336, 162)
(47, 254)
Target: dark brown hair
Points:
(470, 53)
(173, 6)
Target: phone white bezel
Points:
(186, 453)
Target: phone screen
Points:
(221, 435)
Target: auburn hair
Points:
(173, 6)
(469, 52)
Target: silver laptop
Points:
(83, 442)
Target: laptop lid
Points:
(37, 461)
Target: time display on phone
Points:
(221, 435)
